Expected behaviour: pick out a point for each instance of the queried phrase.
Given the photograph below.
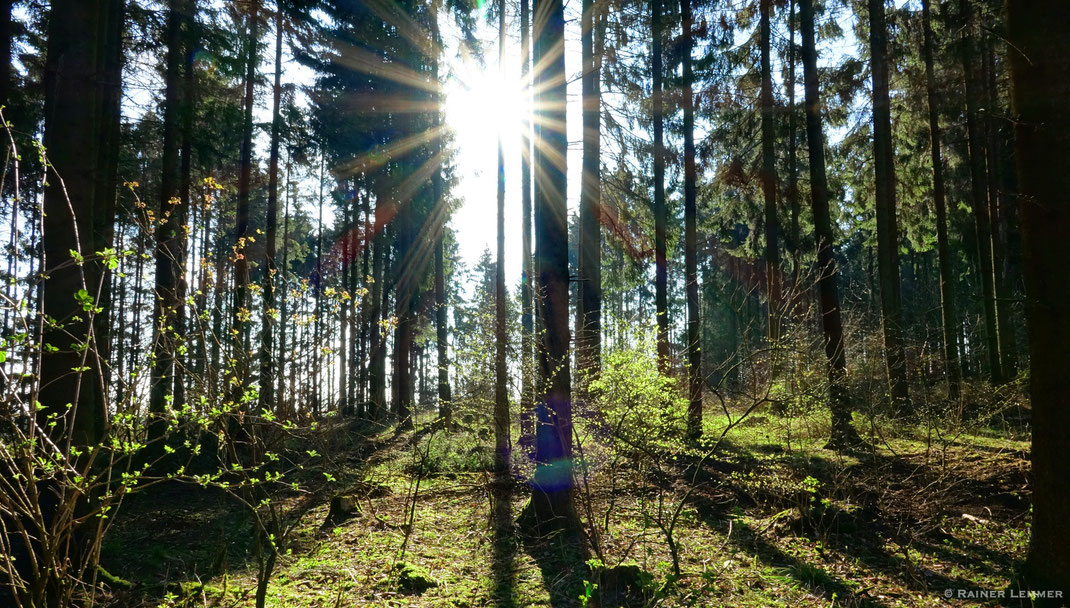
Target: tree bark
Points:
(242, 304)
(1038, 34)
(843, 433)
(268, 312)
(979, 198)
(167, 229)
(77, 215)
(769, 176)
(887, 229)
(552, 483)
(694, 327)
(588, 338)
(377, 366)
(527, 325)
(948, 313)
(661, 270)
(793, 162)
(997, 212)
(501, 396)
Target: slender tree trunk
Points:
(107, 178)
(354, 343)
(661, 269)
(979, 200)
(284, 313)
(1038, 34)
(185, 181)
(589, 336)
(343, 350)
(167, 229)
(219, 286)
(997, 213)
(367, 238)
(793, 162)
(267, 311)
(317, 314)
(377, 371)
(769, 177)
(694, 327)
(887, 229)
(552, 483)
(502, 441)
(527, 326)
(949, 315)
(241, 312)
(390, 262)
(408, 274)
(843, 433)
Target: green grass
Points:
(777, 521)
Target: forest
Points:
(460, 303)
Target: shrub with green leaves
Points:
(645, 409)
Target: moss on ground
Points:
(774, 520)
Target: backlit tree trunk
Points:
(843, 433)
(887, 229)
(552, 483)
(948, 314)
(694, 327)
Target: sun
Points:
(482, 105)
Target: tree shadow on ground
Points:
(742, 536)
(880, 488)
(505, 543)
(561, 557)
(170, 537)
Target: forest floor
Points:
(771, 519)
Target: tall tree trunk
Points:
(589, 337)
(552, 483)
(241, 311)
(439, 211)
(843, 433)
(527, 325)
(769, 176)
(997, 212)
(377, 367)
(267, 310)
(979, 198)
(887, 229)
(317, 314)
(793, 161)
(167, 231)
(107, 178)
(661, 269)
(343, 312)
(1038, 34)
(376, 371)
(367, 237)
(408, 274)
(185, 185)
(949, 315)
(354, 365)
(81, 97)
(73, 125)
(441, 320)
(694, 327)
(501, 396)
(284, 313)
